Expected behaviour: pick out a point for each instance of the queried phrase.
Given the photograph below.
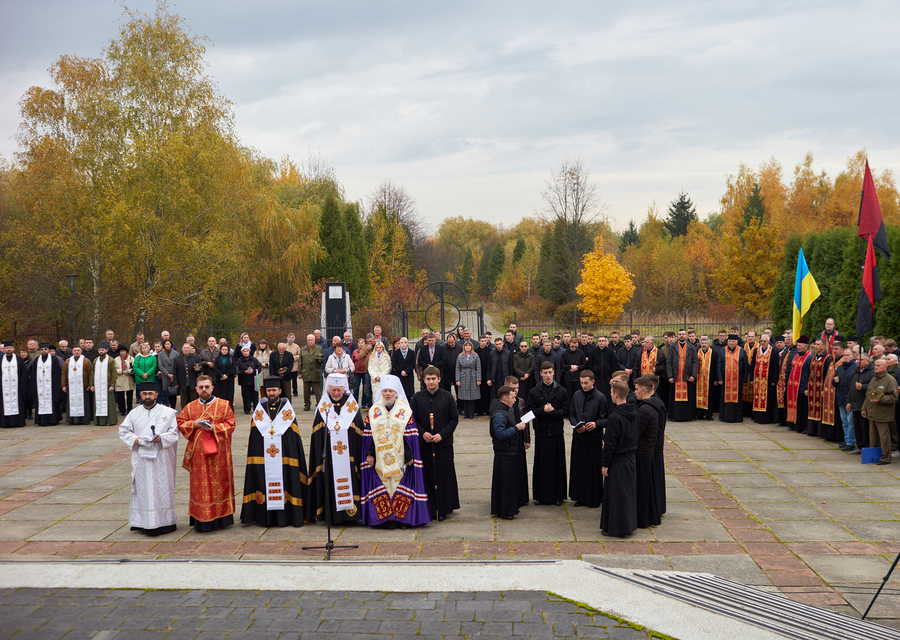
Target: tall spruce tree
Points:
(681, 214)
(339, 264)
(359, 285)
(554, 276)
(518, 251)
(464, 277)
(495, 270)
(484, 269)
(754, 209)
(629, 236)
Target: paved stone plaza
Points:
(753, 503)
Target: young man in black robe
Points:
(274, 433)
(437, 416)
(518, 409)
(45, 388)
(550, 404)
(338, 425)
(659, 461)
(13, 387)
(648, 514)
(504, 436)
(619, 514)
(588, 409)
(603, 361)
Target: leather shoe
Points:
(855, 451)
(441, 518)
(883, 462)
(508, 517)
(579, 504)
(558, 503)
(537, 502)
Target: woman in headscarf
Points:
(248, 367)
(225, 370)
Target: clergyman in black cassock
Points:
(436, 444)
(648, 514)
(45, 388)
(550, 404)
(260, 506)
(335, 401)
(619, 514)
(13, 387)
(588, 406)
(681, 368)
(504, 436)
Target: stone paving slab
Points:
(121, 613)
(754, 491)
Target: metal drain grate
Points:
(760, 608)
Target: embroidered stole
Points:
(828, 394)
(271, 432)
(782, 378)
(387, 433)
(44, 385)
(101, 386)
(748, 386)
(10, 374)
(829, 341)
(681, 385)
(761, 380)
(703, 373)
(339, 426)
(793, 385)
(816, 383)
(648, 361)
(732, 374)
(75, 372)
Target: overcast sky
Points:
(470, 105)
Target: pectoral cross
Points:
(272, 433)
(272, 450)
(340, 448)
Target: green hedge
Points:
(835, 259)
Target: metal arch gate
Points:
(448, 310)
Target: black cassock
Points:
(55, 416)
(321, 480)
(524, 437)
(548, 477)
(648, 514)
(619, 514)
(293, 466)
(585, 474)
(437, 459)
(17, 419)
(659, 462)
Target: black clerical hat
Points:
(779, 338)
(44, 345)
(123, 347)
(272, 382)
(103, 345)
(804, 339)
(146, 386)
(733, 336)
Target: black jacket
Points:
(569, 358)
(446, 416)
(184, 370)
(548, 423)
(504, 434)
(621, 438)
(589, 407)
(501, 366)
(603, 362)
(648, 428)
(542, 357)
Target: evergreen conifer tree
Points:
(338, 265)
(518, 251)
(680, 215)
(629, 236)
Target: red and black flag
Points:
(871, 229)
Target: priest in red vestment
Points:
(796, 392)
(208, 423)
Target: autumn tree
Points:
(605, 287)
(465, 275)
(395, 201)
(136, 151)
(572, 206)
(388, 257)
(680, 215)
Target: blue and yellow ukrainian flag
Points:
(805, 292)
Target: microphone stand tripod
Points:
(329, 489)
(883, 582)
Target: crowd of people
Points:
(372, 432)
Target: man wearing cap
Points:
(45, 389)
(391, 479)
(275, 479)
(732, 374)
(13, 385)
(76, 380)
(796, 392)
(207, 423)
(104, 387)
(151, 432)
(335, 449)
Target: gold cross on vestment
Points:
(340, 448)
(351, 406)
(258, 415)
(273, 450)
(286, 414)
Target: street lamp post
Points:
(72, 283)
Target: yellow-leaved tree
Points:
(605, 287)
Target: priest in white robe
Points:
(13, 380)
(151, 432)
(77, 377)
(104, 387)
(44, 388)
